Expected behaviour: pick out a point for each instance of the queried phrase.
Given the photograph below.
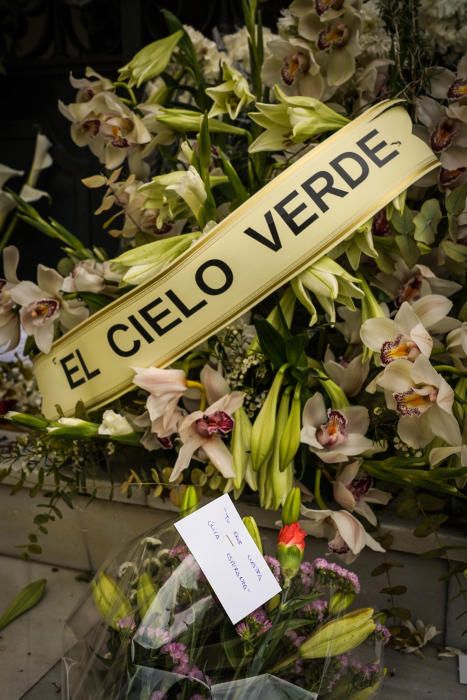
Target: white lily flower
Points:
(354, 491)
(346, 535)
(42, 307)
(423, 399)
(114, 424)
(191, 189)
(335, 435)
(349, 375)
(9, 320)
(231, 96)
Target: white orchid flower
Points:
(335, 435)
(423, 399)
(410, 284)
(349, 375)
(346, 535)
(42, 307)
(110, 128)
(9, 320)
(292, 65)
(403, 337)
(456, 341)
(354, 491)
(165, 388)
(203, 430)
(89, 276)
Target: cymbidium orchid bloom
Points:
(231, 96)
(292, 65)
(207, 53)
(335, 435)
(353, 490)
(456, 341)
(90, 85)
(42, 307)
(334, 33)
(345, 534)
(165, 388)
(445, 130)
(9, 320)
(410, 284)
(112, 130)
(450, 85)
(203, 430)
(350, 375)
(89, 276)
(292, 120)
(403, 337)
(423, 399)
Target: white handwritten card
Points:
(228, 557)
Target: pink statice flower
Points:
(333, 574)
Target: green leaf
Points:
(455, 200)
(272, 343)
(26, 599)
(428, 502)
(433, 553)
(430, 525)
(426, 221)
(403, 223)
(401, 613)
(408, 249)
(394, 590)
(384, 568)
(455, 251)
(295, 350)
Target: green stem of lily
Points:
(197, 385)
(8, 232)
(134, 101)
(451, 369)
(317, 490)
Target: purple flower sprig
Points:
(331, 574)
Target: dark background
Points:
(41, 41)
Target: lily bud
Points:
(240, 446)
(151, 61)
(340, 601)
(339, 636)
(262, 434)
(291, 507)
(110, 601)
(252, 527)
(290, 549)
(290, 438)
(280, 480)
(141, 264)
(26, 420)
(146, 591)
(190, 501)
(73, 427)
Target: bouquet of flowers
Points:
(152, 629)
(351, 379)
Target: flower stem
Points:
(197, 385)
(8, 233)
(317, 489)
(451, 369)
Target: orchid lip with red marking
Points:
(458, 89)
(334, 431)
(360, 486)
(323, 6)
(337, 35)
(444, 134)
(399, 349)
(217, 423)
(414, 403)
(293, 66)
(44, 308)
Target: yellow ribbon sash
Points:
(291, 222)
